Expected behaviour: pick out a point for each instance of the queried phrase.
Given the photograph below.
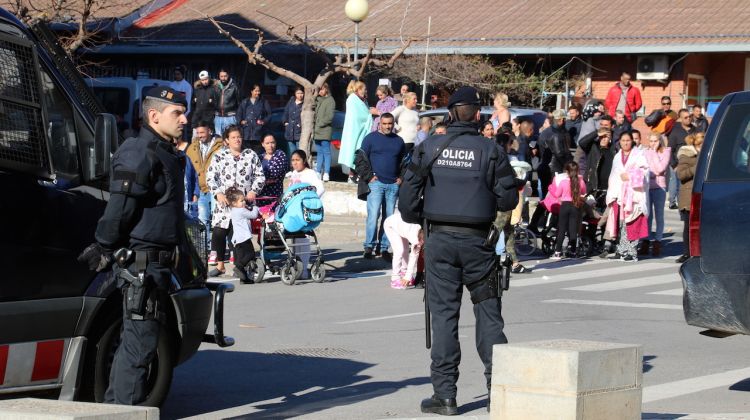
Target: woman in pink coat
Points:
(657, 156)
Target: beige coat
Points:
(201, 165)
(687, 159)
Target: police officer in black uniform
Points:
(470, 179)
(140, 230)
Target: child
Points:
(570, 191)
(404, 237)
(244, 253)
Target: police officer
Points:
(141, 225)
(464, 180)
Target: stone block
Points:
(40, 409)
(566, 379)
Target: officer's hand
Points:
(251, 196)
(96, 257)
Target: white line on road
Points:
(613, 303)
(691, 385)
(628, 284)
(670, 292)
(627, 268)
(380, 318)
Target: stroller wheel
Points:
(259, 272)
(288, 274)
(318, 272)
(585, 248)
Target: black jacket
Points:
(617, 131)
(700, 124)
(556, 143)
(598, 163)
(250, 113)
(677, 140)
(228, 99)
(364, 173)
(204, 104)
(573, 128)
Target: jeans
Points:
(293, 145)
(204, 209)
(221, 123)
(324, 156)
(379, 193)
(657, 197)
(674, 187)
(500, 246)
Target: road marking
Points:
(670, 292)
(355, 275)
(628, 284)
(589, 275)
(380, 318)
(547, 264)
(692, 385)
(613, 303)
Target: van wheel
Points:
(159, 376)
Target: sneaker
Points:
(673, 206)
(397, 284)
(326, 178)
(215, 273)
(386, 256)
(629, 258)
(212, 258)
(617, 256)
(368, 254)
(556, 256)
(604, 254)
(520, 269)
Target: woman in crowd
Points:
(658, 161)
(230, 167)
(356, 126)
(386, 103)
(406, 118)
(523, 139)
(487, 130)
(292, 118)
(627, 198)
(570, 192)
(253, 114)
(301, 172)
(687, 159)
(502, 113)
(325, 109)
(275, 166)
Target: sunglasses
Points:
(666, 103)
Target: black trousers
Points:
(244, 253)
(569, 221)
(454, 260)
(139, 340)
(219, 241)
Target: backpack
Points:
(300, 209)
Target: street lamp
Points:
(356, 11)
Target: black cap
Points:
(466, 95)
(167, 94)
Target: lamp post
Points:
(356, 11)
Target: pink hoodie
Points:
(657, 165)
(564, 190)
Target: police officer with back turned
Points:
(464, 180)
(139, 231)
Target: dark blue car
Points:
(716, 279)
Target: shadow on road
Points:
(743, 385)
(216, 380)
(647, 366)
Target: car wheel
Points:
(159, 377)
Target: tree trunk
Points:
(308, 121)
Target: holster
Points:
(140, 297)
(494, 284)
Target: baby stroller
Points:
(590, 238)
(296, 215)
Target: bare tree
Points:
(342, 63)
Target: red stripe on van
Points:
(48, 360)
(3, 362)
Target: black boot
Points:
(444, 407)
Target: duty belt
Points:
(476, 230)
(165, 258)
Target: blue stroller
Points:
(297, 214)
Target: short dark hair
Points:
(441, 125)
(666, 98)
(229, 130)
(698, 106)
(302, 155)
(607, 117)
(624, 72)
(574, 106)
(635, 130)
(233, 194)
(203, 124)
(222, 70)
(387, 115)
(682, 110)
(464, 112)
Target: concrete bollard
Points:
(566, 380)
(39, 409)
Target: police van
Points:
(59, 322)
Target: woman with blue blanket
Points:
(357, 124)
(301, 173)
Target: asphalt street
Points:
(353, 348)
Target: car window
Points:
(115, 100)
(729, 159)
(61, 129)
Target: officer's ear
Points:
(478, 115)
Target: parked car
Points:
(121, 97)
(537, 115)
(60, 322)
(276, 127)
(716, 279)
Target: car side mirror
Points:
(105, 134)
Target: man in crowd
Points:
(556, 142)
(384, 150)
(204, 99)
(183, 87)
(698, 120)
(621, 125)
(200, 152)
(677, 140)
(573, 124)
(624, 97)
(228, 100)
(664, 126)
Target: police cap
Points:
(167, 94)
(465, 95)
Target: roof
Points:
(70, 9)
(476, 27)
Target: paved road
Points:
(354, 348)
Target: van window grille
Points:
(23, 145)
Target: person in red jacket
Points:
(625, 97)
